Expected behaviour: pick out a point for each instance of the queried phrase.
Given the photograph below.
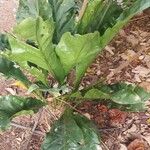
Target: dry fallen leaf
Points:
(87, 115)
(142, 71)
(110, 49)
(19, 84)
(147, 138)
(129, 54)
(147, 60)
(11, 91)
(117, 117)
(136, 145)
(133, 40)
(145, 85)
(123, 147)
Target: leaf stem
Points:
(83, 8)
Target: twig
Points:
(69, 105)
(25, 147)
(14, 124)
(104, 145)
(108, 129)
(83, 8)
(49, 112)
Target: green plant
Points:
(50, 39)
(4, 42)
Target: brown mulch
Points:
(119, 130)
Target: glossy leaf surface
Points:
(121, 93)
(77, 52)
(72, 131)
(44, 56)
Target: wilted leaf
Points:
(19, 84)
(11, 106)
(72, 131)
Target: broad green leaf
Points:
(9, 69)
(96, 94)
(22, 52)
(26, 29)
(97, 16)
(138, 107)
(32, 88)
(72, 132)
(44, 56)
(77, 52)
(64, 17)
(44, 38)
(128, 94)
(33, 8)
(89, 15)
(11, 106)
(120, 93)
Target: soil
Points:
(127, 58)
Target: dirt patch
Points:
(7, 13)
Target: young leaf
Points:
(64, 17)
(72, 131)
(8, 69)
(11, 106)
(77, 52)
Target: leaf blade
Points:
(75, 52)
(8, 69)
(122, 94)
(64, 17)
(72, 132)
(10, 106)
